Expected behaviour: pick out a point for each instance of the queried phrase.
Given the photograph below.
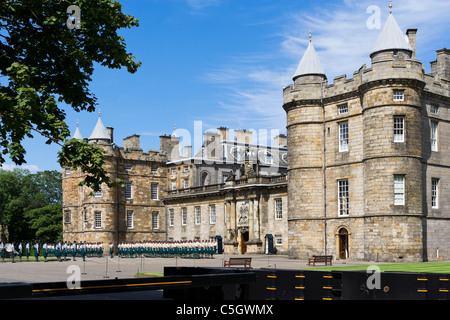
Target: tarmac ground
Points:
(94, 268)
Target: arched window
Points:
(204, 178)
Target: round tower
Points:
(302, 103)
(392, 149)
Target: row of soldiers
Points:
(168, 249)
(60, 250)
(63, 250)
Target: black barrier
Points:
(196, 283)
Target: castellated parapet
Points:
(368, 158)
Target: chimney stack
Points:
(411, 33)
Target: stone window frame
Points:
(434, 127)
(398, 95)
(197, 215)
(184, 216)
(171, 217)
(154, 194)
(128, 190)
(98, 194)
(434, 109)
(399, 128)
(278, 203)
(67, 216)
(342, 108)
(278, 240)
(435, 193)
(129, 219)
(212, 214)
(155, 220)
(343, 193)
(98, 220)
(343, 136)
(399, 190)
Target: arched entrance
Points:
(343, 243)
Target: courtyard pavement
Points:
(105, 267)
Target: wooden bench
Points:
(320, 259)
(232, 262)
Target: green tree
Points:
(22, 198)
(43, 63)
(46, 222)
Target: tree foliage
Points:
(30, 204)
(43, 63)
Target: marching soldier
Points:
(74, 250)
(44, 251)
(2, 251)
(36, 251)
(13, 252)
(27, 250)
(20, 251)
(111, 249)
(64, 250)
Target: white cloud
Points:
(200, 4)
(343, 42)
(11, 167)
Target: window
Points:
(154, 191)
(173, 185)
(212, 214)
(128, 167)
(343, 136)
(343, 109)
(186, 183)
(127, 190)
(399, 95)
(225, 177)
(67, 216)
(129, 219)
(97, 219)
(433, 135)
(278, 240)
(154, 170)
(183, 216)
(268, 158)
(171, 217)
(399, 190)
(434, 109)
(343, 203)
(68, 171)
(278, 209)
(99, 192)
(155, 215)
(174, 170)
(435, 193)
(399, 129)
(185, 169)
(198, 215)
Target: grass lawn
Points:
(434, 267)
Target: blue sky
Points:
(225, 62)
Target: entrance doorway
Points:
(243, 241)
(343, 243)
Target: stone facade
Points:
(174, 196)
(360, 162)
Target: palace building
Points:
(233, 189)
(369, 157)
(362, 174)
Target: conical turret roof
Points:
(391, 38)
(99, 132)
(77, 134)
(310, 63)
